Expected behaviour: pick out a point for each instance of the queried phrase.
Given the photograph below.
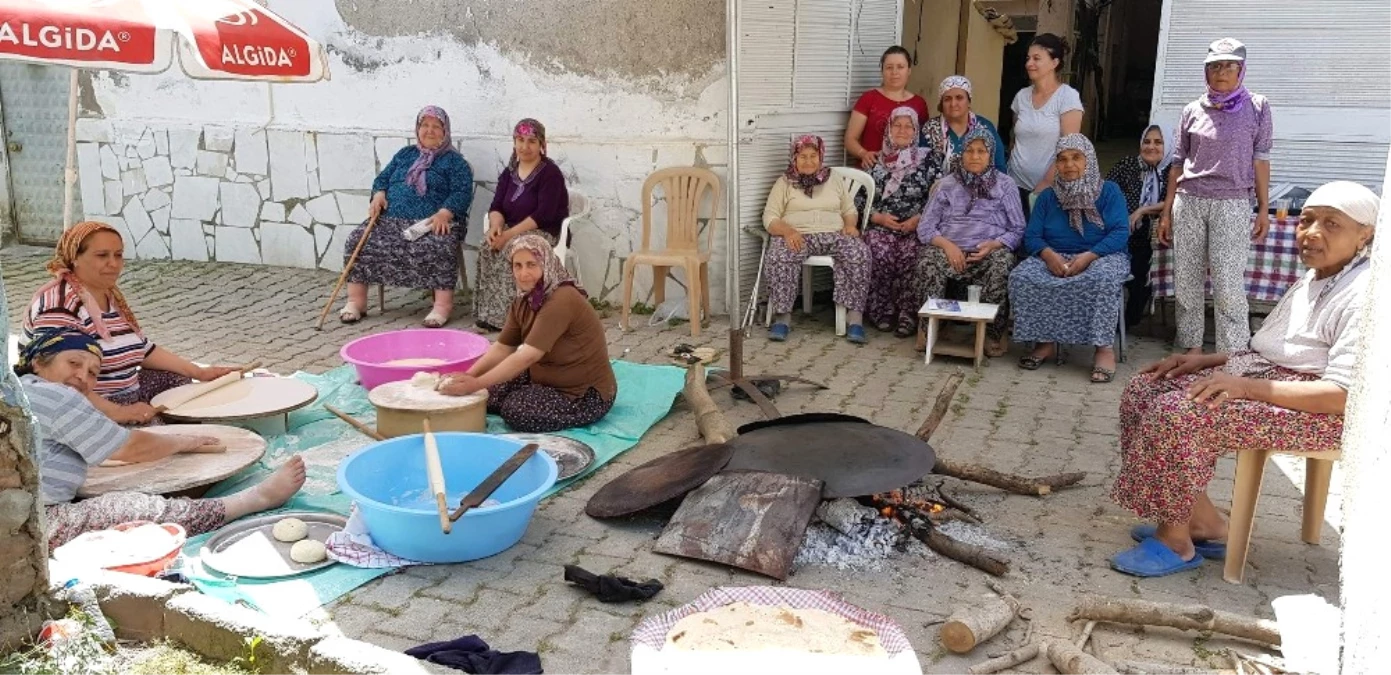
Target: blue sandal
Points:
(1151, 558)
(779, 331)
(1207, 548)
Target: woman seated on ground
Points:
(530, 197)
(57, 369)
(946, 133)
(1068, 290)
(1144, 180)
(84, 297)
(427, 180)
(902, 177)
(1286, 392)
(971, 227)
(807, 214)
(549, 369)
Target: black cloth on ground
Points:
(609, 588)
(472, 655)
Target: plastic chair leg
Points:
(1318, 474)
(381, 298)
(693, 295)
(806, 289)
(1250, 470)
(840, 320)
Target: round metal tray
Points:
(247, 549)
(570, 455)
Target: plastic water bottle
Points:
(417, 230)
(80, 594)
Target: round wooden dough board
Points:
(182, 471)
(401, 406)
(246, 399)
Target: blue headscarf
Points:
(52, 341)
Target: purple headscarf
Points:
(1230, 100)
(415, 176)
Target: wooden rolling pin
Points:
(366, 430)
(183, 398)
(436, 475)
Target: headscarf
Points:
(415, 176)
(527, 128)
(954, 82)
(553, 272)
(1227, 101)
(1078, 197)
(938, 130)
(900, 160)
(1361, 204)
(978, 185)
(61, 267)
(803, 182)
(52, 341)
(1152, 177)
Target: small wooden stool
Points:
(979, 313)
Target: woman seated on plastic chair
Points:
(549, 369)
(1286, 392)
(1068, 290)
(808, 214)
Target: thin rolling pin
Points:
(204, 388)
(368, 431)
(436, 475)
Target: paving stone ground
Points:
(1038, 422)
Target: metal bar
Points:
(70, 167)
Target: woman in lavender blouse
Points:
(1221, 160)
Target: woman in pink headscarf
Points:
(427, 181)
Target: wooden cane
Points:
(333, 297)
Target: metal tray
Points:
(240, 549)
(572, 456)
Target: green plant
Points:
(250, 662)
(644, 309)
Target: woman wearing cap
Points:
(946, 132)
(1144, 180)
(1286, 391)
(58, 369)
(428, 180)
(864, 135)
(530, 197)
(1222, 160)
(1044, 111)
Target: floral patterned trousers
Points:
(893, 298)
(991, 274)
(782, 267)
(66, 521)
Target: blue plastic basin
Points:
(387, 481)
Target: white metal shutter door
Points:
(875, 26)
(34, 100)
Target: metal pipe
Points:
(732, 257)
(70, 168)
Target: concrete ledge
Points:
(218, 630)
(344, 655)
(134, 605)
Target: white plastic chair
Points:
(855, 180)
(579, 208)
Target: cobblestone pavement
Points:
(1038, 422)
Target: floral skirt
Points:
(430, 262)
(152, 383)
(66, 521)
(1084, 309)
(495, 288)
(537, 409)
(893, 300)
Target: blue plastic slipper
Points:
(778, 332)
(1207, 548)
(856, 334)
(1151, 558)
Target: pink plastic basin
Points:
(369, 355)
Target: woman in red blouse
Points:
(864, 135)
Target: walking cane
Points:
(333, 297)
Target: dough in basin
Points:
(308, 551)
(290, 530)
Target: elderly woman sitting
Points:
(549, 369)
(530, 197)
(807, 214)
(1069, 289)
(84, 297)
(971, 227)
(902, 175)
(427, 180)
(57, 369)
(1144, 180)
(1286, 391)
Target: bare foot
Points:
(280, 486)
(1178, 542)
(996, 348)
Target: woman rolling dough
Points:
(549, 369)
(58, 369)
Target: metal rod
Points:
(70, 168)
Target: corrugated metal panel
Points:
(1313, 163)
(1325, 53)
(34, 100)
(821, 78)
(765, 56)
(877, 26)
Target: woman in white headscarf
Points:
(1286, 391)
(945, 134)
(1144, 180)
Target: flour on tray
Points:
(743, 626)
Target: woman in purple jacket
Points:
(1221, 160)
(530, 197)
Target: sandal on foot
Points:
(1151, 558)
(1102, 375)
(349, 315)
(779, 331)
(856, 334)
(434, 319)
(996, 348)
(1211, 549)
(884, 326)
(1031, 362)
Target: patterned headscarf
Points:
(415, 176)
(1229, 100)
(52, 341)
(978, 185)
(553, 272)
(937, 131)
(1078, 197)
(527, 128)
(954, 82)
(801, 181)
(61, 267)
(900, 160)
(1151, 178)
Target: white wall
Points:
(279, 174)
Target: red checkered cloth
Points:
(1271, 269)
(654, 629)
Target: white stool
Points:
(979, 313)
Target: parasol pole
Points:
(70, 169)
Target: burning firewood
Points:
(970, 626)
(1184, 617)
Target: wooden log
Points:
(976, 473)
(1070, 660)
(1150, 668)
(1183, 617)
(713, 425)
(1022, 655)
(940, 407)
(1086, 635)
(970, 626)
(971, 554)
(1061, 480)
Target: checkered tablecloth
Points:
(1271, 269)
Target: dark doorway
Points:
(1130, 42)
(1012, 79)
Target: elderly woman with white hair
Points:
(1286, 391)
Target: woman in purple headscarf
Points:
(1221, 161)
(428, 181)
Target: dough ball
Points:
(425, 380)
(308, 551)
(290, 530)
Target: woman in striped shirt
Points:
(83, 296)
